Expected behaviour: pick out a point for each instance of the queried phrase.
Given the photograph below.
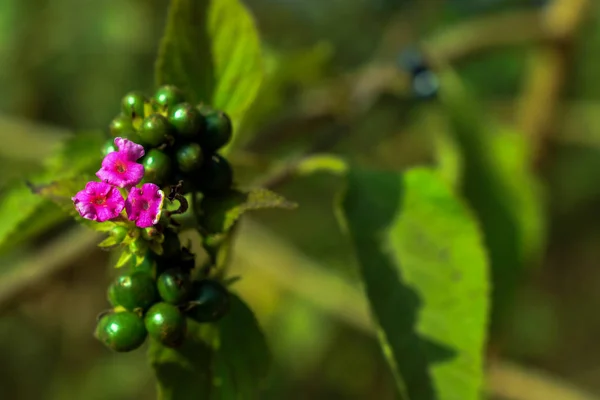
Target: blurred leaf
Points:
(226, 360)
(25, 209)
(185, 372)
(424, 270)
(212, 50)
(286, 71)
(501, 188)
(219, 214)
(242, 361)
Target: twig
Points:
(54, 257)
(548, 74)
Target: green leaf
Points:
(501, 188)
(212, 50)
(424, 271)
(124, 258)
(219, 214)
(25, 209)
(225, 360)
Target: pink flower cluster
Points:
(102, 201)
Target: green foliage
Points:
(501, 188)
(24, 212)
(224, 360)
(424, 270)
(212, 50)
(221, 213)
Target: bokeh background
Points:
(65, 64)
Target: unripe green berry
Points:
(188, 122)
(157, 167)
(154, 130)
(167, 96)
(166, 324)
(217, 132)
(135, 291)
(174, 286)
(111, 295)
(133, 104)
(122, 331)
(108, 147)
(147, 264)
(121, 126)
(189, 157)
(209, 301)
(216, 175)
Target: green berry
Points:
(147, 265)
(167, 96)
(111, 295)
(189, 157)
(216, 175)
(157, 167)
(174, 286)
(188, 121)
(132, 104)
(209, 301)
(166, 324)
(108, 147)
(136, 290)
(122, 331)
(218, 131)
(154, 130)
(121, 126)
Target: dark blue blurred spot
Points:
(412, 61)
(425, 85)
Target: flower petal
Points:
(120, 171)
(144, 205)
(131, 150)
(99, 202)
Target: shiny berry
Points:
(167, 96)
(187, 120)
(136, 290)
(209, 301)
(189, 157)
(121, 331)
(111, 295)
(154, 130)
(216, 175)
(121, 126)
(166, 324)
(157, 167)
(217, 131)
(147, 264)
(174, 286)
(109, 147)
(133, 104)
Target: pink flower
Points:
(144, 205)
(119, 168)
(99, 202)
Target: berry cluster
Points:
(160, 145)
(180, 140)
(155, 297)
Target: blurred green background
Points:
(65, 64)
